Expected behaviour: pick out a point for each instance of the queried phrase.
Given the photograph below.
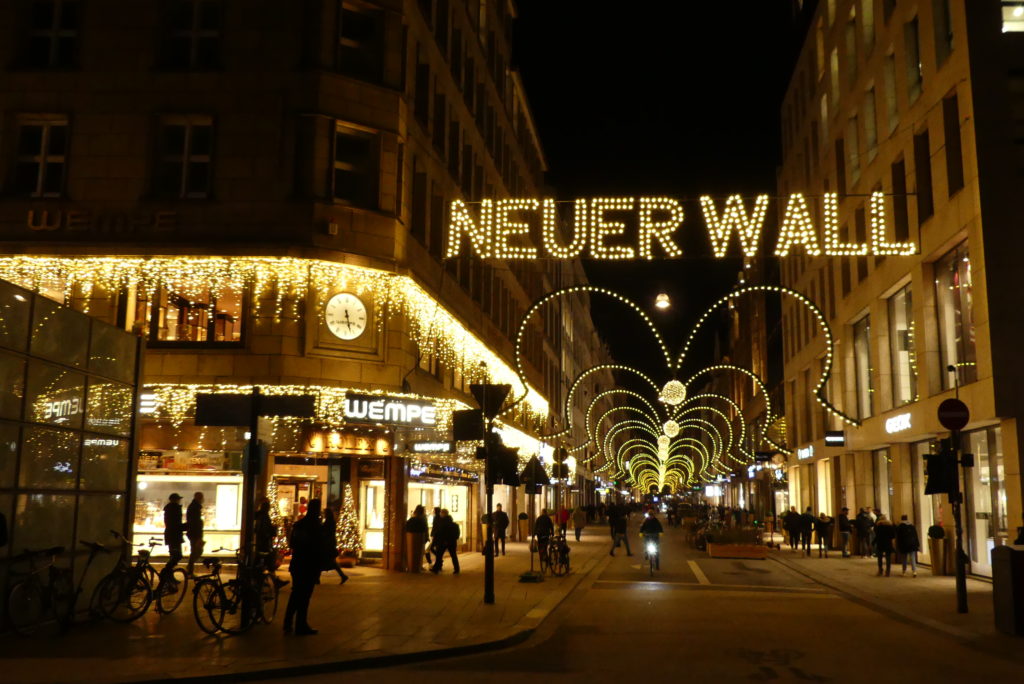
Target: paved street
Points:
(720, 620)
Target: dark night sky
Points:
(678, 98)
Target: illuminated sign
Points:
(529, 228)
(712, 490)
(432, 447)
(375, 409)
(805, 453)
(898, 423)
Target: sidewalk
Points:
(927, 600)
(377, 615)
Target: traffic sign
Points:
(953, 414)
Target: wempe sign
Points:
(375, 409)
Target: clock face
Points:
(345, 316)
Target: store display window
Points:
(372, 500)
(222, 506)
(188, 314)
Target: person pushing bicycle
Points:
(651, 530)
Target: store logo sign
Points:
(898, 423)
(374, 409)
(805, 453)
(432, 447)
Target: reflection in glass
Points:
(954, 301)
(12, 386)
(14, 308)
(8, 453)
(58, 333)
(55, 395)
(109, 408)
(50, 459)
(863, 367)
(43, 520)
(902, 347)
(104, 463)
(111, 352)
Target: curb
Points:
(870, 602)
(522, 631)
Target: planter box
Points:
(737, 551)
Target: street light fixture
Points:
(662, 301)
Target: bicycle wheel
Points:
(171, 592)
(238, 606)
(29, 611)
(207, 605)
(652, 560)
(545, 561)
(268, 598)
(560, 566)
(133, 596)
(62, 596)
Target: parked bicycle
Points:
(126, 593)
(235, 605)
(554, 557)
(42, 601)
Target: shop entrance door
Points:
(290, 495)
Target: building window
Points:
(883, 481)
(840, 167)
(354, 173)
(867, 18)
(942, 22)
(888, 7)
(41, 160)
(923, 169)
(185, 313)
(954, 153)
(193, 34)
(912, 45)
(360, 52)
(891, 105)
(834, 77)
(955, 312)
(986, 502)
(851, 48)
(852, 140)
(863, 367)
(53, 34)
(900, 210)
(902, 347)
(186, 153)
(870, 124)
(1013, 16)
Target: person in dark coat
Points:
(864, 524)
(791, 523)
(331, 545)
(543, 530)
(845, 530)
(823, 530)
(619, 525)
(264, 532)
(435, 528)
(885, 534)
(307, 544)
(806, 527)
(500, 530)
(174, 533)
(448, 534)
(417, 526)
(908, 543)
(194, 529)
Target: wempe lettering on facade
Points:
(375, 409)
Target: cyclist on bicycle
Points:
(543, 529)
(651, 529)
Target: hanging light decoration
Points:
(662, 301)
(673, 393)
(671, 428)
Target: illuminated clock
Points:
(345, 316)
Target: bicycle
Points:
(41, 608)
(235, 605)
(652, 551)
(559, 552)
(126, 593)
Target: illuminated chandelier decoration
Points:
(682, 438)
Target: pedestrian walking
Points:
(174, 533)
(501, 523)
(908, 543)
(307, 544)
(823, 530)
(563, 520)
(435, 528)
(806, 528)
(619, 525)
(579, 521)
(448, 534)
(885, 534)
(194, 530)
(791, 524)
(863, 524)
(845, 530)
(330, 533)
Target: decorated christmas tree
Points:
(281, 539)
(348, 526)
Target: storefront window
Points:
(371, 514)
(194, 314)
(104, 463)
(55, 395)
(59, 333)
(222, 505)
(986, 501)
(109, 408)
(863, 366)
(902, 348)
(8, 453)
(14, 317)
(12, 385)
(51, 459)
(955, 311)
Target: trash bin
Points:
(524, 529)
(1008, 588)
(414, 543)
(937, 552)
